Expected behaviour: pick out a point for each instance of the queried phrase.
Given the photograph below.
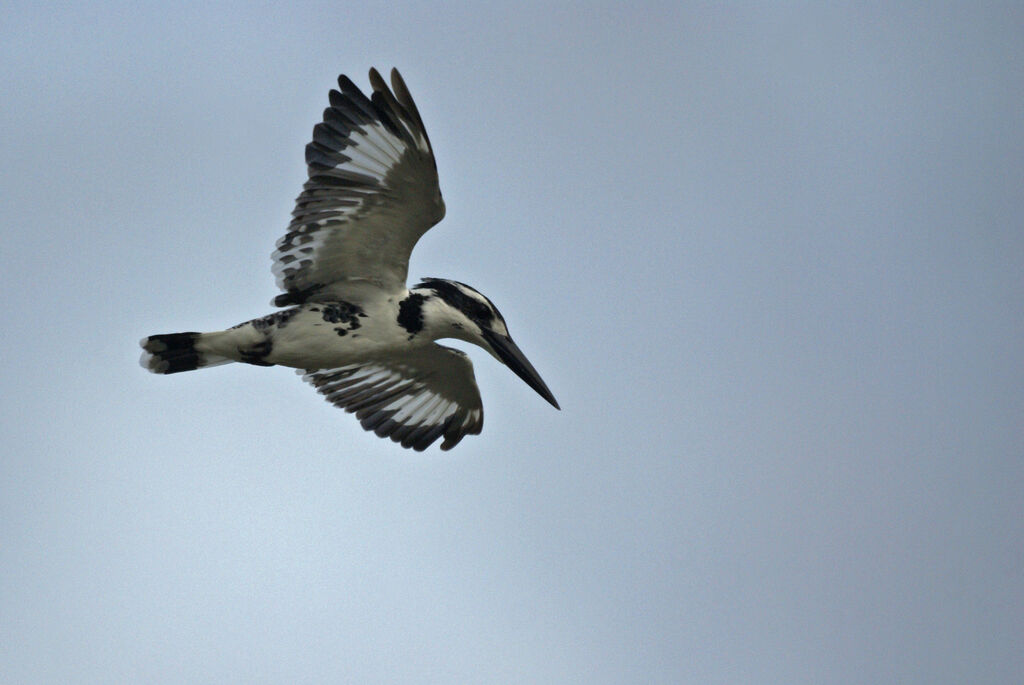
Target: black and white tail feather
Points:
(176, 352)
(353, 329)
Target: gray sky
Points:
(769, 258)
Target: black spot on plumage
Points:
(275, 320)
(258, 353)
(344, 313)
(410, 313)
(296, 295)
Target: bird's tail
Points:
(174, 352)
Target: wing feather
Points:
(372, 192)
(413, 398)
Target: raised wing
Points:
(413, 398)
(372, 192)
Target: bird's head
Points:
(454, 310)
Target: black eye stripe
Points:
(451, 293)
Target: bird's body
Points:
(350, 324)
(319, 335)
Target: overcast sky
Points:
(769, 258)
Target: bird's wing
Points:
(413, 398)
(372, 192)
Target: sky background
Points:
(769, 257)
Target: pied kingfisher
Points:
(351, 326)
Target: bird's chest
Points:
(325, 335)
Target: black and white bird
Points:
(350, 324)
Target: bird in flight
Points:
(348, 322)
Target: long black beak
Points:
(514, 359)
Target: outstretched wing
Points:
(412, 398)
(372, 192)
